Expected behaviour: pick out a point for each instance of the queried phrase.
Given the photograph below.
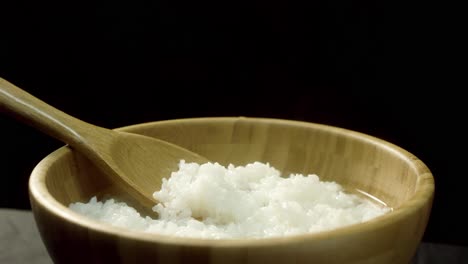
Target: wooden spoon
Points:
(132, 161)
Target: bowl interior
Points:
(357, 161)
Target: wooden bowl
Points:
(355, 160)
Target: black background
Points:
(362, 65)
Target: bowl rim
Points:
(423, 195)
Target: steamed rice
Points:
(252, 201)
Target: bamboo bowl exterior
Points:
(355, 160)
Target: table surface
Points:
(20, 243)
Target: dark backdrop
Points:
(362, 65)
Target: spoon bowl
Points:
(133, 162)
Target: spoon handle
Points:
(45, 117)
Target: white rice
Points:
(252, 201)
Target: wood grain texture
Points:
(129, 160)
(355, 160)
